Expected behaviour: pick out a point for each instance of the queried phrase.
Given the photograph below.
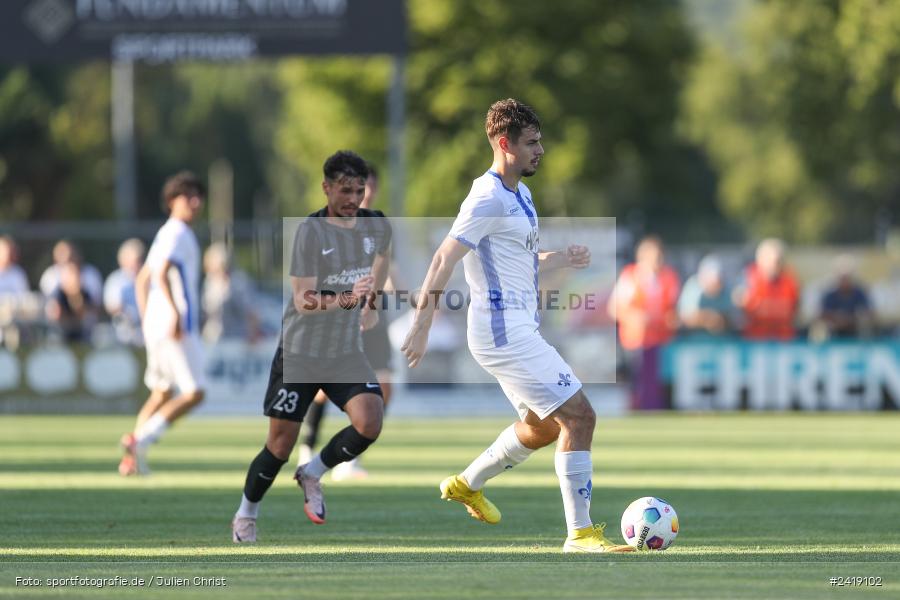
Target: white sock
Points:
(505, 453)
(304, 455)
(248, 509)
(574, 472)
(315, 467)
(151, 430)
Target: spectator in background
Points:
(705, 305)
(227, 299)
(644, 304)
(119, 298)
(769, 295)
(65, 252)
(846, 311)
(13, 281)
(71, 306)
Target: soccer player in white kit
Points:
(167, 290)
(496, 236)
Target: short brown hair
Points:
(510, 117)
(183, 182)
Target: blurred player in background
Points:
(340, 256)
(168, 296)
(497, 222)
(377, 348)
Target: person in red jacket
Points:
(644, 304)
(769, 295)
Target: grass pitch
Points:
(770, 506)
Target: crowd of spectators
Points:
(759, 302)
(74, 304)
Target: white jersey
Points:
(176, 243)
(500, 226)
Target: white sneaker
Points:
(306, 454)
(348, 470)
(243, 529)
(314, 501)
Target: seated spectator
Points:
(65, 252)
(71, 306)
(846, 311)
(119, 297)
(705, 305)
(13, 281)
(227, 301)
(769, 295)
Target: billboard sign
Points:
(157, 31)
(735, 374)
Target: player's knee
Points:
(280, 446)
(195, 398)
(358, 441)
(578, 418)
(540, 437)
(370, 428)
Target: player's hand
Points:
(578, 257)
(414, 346)
(362, 288)
(175, 332)
(368, 318)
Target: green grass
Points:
(770, 506)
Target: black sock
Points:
(346, 445)
(261, 474)
(313, 422)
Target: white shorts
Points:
(532, 374)
(176, 363)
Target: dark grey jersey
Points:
(336, 257)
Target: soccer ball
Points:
(649, 524)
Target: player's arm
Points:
(575, 257)
(444, 261)
(142, 289)
(161, 278)
(308, 300)
(380, 270)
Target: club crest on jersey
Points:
(531, 241)
(368, 245)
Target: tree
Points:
(802, 122)
(604, 76)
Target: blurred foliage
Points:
(605, 77)
(803, 125)
(55, 143)
(779, 117)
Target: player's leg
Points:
(154, 402)
(312, 424)
(261, 475)
(576, 420)
(353, 469)
(129, 463)
(512, 447)
(285, 405)
(182, 364)
(366, 413)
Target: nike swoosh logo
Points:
(327, 252)
(264, 477)
(372, 386)
(344, 448)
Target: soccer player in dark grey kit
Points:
(340, 256)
